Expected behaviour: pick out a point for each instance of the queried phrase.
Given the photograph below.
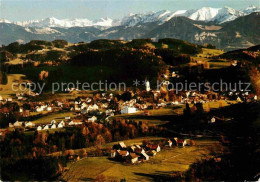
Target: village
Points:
(103, 106)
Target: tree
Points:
(187, 110)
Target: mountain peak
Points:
(2, 20)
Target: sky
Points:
(21, 10)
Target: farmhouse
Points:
(46, 127)
(29, 124)
(144, 156)
(75, 123)
(18, 124)
(53, 126)
(61, 124)
(187, 142)
(152, 153)
(157, 148)
(128, 110)
(92, 119)
(113, 153)
(122, 153)
(39, 128)
(133, 157)
(120, 146)
(53, 122)
(169, 143)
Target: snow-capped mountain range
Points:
(217, 15)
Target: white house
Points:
(18, 124)
(84, 105)
(187, 142)
(61, 124)
(122, 145)
(145, 156)
(92, 108)
(71, 123)
(46, 127)
(77, 108)
(92, 119)
(1, 98)
(39, 109)
(169, 143)
(9, 99)
(29, 124)
(74, 123)
(104, 106)
(53, 122)
(49, 108)
(134, 158)
(158, 148)
(53, 126)
(128, 110)
(39, 128)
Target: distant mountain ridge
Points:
(237, 33)
(217, 15)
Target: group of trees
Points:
(181, 46)
(241, 135)
(130, 64)
(18, 148)
(17, 145)
(34, 45)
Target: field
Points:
(54, 116)
(129, 142)
(166, 162)
(206, 56)
(163, 115)
(6, 90)
(156, 117)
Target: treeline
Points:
(181, 46)
(52, 55)
(17, 145)
(33, 45)
(32, 169)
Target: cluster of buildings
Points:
(26, 124)
(140, 153)
(52, 125)
(135, 153)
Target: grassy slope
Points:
(54, 116)
(206, 56)
(162, 115)
(166, 162)
(11, 78)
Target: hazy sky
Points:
(19, 10)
